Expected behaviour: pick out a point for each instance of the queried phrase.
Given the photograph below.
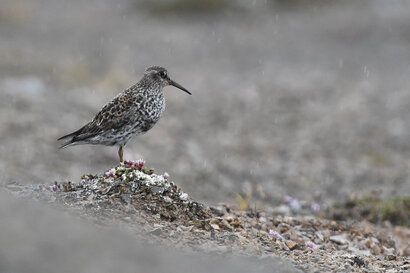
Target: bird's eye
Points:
(163, 74)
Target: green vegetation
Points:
(185, 6)
(395, 209)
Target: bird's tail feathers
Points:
(70, 139)
(71, 136)
(67, 144)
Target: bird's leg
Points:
(120, 154)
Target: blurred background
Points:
(302, 98)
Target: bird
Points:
(132, 112)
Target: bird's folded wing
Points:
(114, 115)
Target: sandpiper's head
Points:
(160, 74)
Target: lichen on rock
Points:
(131, 184)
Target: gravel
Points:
(155, 209)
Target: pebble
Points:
(126, 198)
(375, 240)
(218, 211)
(282, 209)
(388, 251)
(340, 239)
(157, 231)
(405, 267)
(391, 257)
(291, 244)
(215, 227)
(183, 196)
(283, 227)
(375, 250)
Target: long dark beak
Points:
(177, 85)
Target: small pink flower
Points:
(53, 187)
(140, 163)
(128, 162)
(294, 204)
(315, 207)
(287, 199)
(110, 174)
(275, 234)
(311, 245)
(165, 175)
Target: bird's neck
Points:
(149, 86)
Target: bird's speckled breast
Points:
(150, 112)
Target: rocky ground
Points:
(155, 209)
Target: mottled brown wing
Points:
(113, 115)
